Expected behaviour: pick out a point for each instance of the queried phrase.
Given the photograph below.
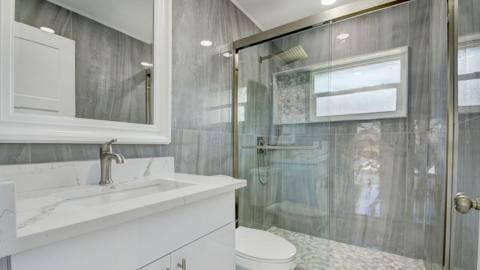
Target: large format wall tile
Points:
(200, 75)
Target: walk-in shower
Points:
(357, 132)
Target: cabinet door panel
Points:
(113, 248)
(163, 233)
(215, 251)
(162, 264)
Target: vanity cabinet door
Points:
(162, 264)
(215, 251)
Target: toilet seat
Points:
(263, 247)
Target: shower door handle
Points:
(463, 203)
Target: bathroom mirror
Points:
(85, 71)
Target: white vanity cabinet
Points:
(200, 233)
(162, 264)
(212, 252)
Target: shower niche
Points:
(363, 87)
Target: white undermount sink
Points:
(98, 195)
(31, 206)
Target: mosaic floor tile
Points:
(315, 253)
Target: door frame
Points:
(452, 141)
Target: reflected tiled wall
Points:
(201, 135)
(398, 209)
(110, 82)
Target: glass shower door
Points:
(342, 137)
(465, 245)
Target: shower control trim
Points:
(261, 143)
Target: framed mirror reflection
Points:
(103, 65)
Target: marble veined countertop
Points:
(34, 217)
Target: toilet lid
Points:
(263, 246)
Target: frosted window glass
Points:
(241, 113)
(469, 60)
(357, 103)
(359, 77)
(469, 93)
(462, 69)
(242, 95)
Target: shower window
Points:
(469, 74)
(371, 86)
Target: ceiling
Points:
(268, 14)
(134, 18)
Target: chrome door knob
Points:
(463, 203)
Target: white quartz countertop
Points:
(51, 215)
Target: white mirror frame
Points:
(31, 128)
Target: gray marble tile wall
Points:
(398, 207)
(200, 142)
(110, 82)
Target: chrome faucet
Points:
(106, 156)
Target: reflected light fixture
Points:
(227, 54)
(328, 2)
(47, 29)
(343, 36)
(146, 64)
(206, 43)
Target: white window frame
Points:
(469, 41)
(401, 111)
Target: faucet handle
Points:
(107, 147)
(112, 141)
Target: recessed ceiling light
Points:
(328, 2)
(206, 43)
(227, 54)
(146, 64)
(47, 29)
(343, 36)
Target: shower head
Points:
(289, 56)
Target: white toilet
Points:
(261, 250)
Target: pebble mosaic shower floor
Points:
(315, 253)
